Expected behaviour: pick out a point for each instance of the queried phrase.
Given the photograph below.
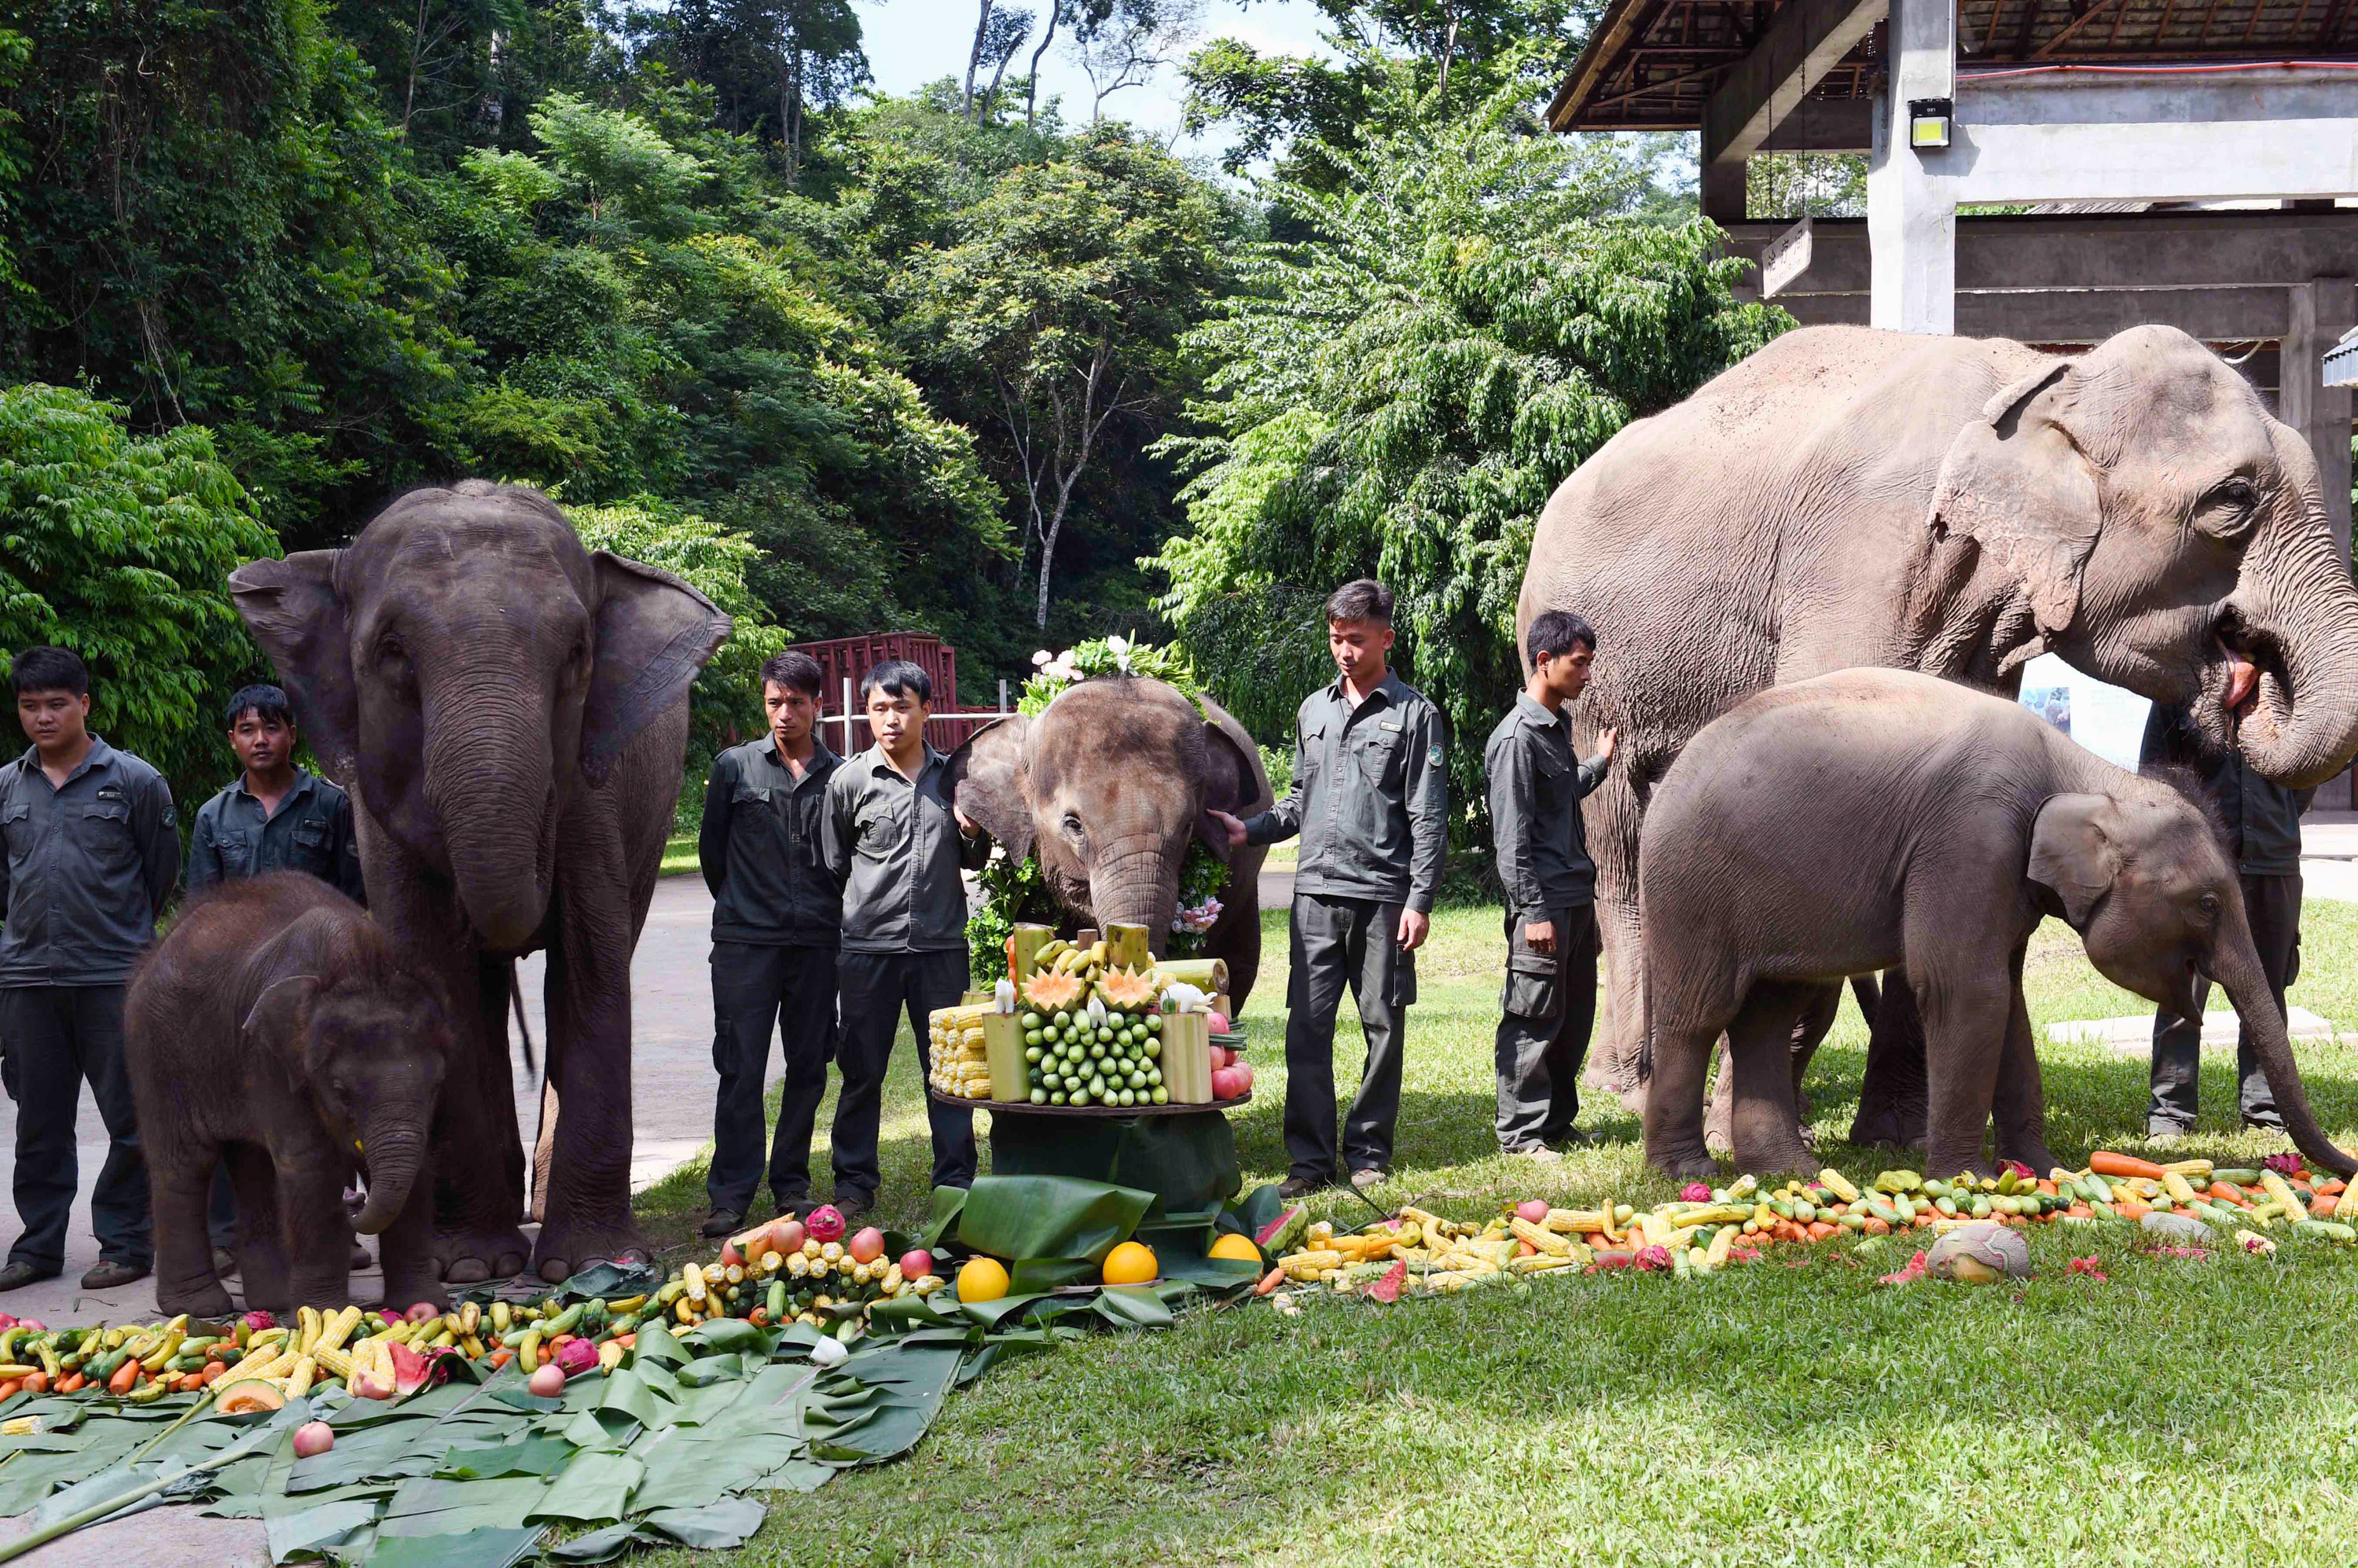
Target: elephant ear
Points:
(271, 1026)
(2019, 481)
(1229, 785)
(655, 632)
(297, 613)
(990, 779)
(2072, 856)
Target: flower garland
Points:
(1016, 893)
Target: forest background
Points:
(979, 360)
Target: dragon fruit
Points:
(576, 1356)
(1696, 1192)
(259, 1320)
(825, 1224)
(1653, 1258)
(2284, 1164)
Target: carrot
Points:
(2105, 1162)
(2332, 1189)
(213, 1372)
(71, 1384)
(2129, 1209)
(2080, 1211)
(1596, 1242)
(125, 1376)
(36, 1383)
(501, 1357)
(1878, 1227)
(2047, 1185)
(1820, 1230)
(189, 1382)
(2225, 1191)
(627, 1340)
(8, 1390)
(2323, 1206)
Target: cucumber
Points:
(2237, 1175)
(2325, 1229)
(2098, 1189)
(1946, 1204)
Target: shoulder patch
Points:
(1433, 754)
(172, 814)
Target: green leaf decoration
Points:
(1049, 1216)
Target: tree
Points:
(1123, 43)
(768, 62)
(1812, 184)
(998, 31)
(119, 548)
(1399, 396)
(1065, 295)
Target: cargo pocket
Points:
(1402, 990)
(1532, 990)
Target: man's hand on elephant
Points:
(1233, 827)
(1539, 935)
(1413, 925)
(1604, 745)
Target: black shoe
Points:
(722, 1222)
(2268, 1124)
(17, 1276)
(224, 1263)
(110, 1274)
(1298, 1186)
(792, 1205)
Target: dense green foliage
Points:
(117, 547)
(1398, 397)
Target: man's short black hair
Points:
(267, 703)
(899, 677)
(1362, 600)
(1557, 632)
(795, 672)
(48, 669)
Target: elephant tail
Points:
(524, 1025)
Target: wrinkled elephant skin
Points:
(510, 712)
(1108, 785)
(1869, 818)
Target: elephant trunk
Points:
(1135, 882)
(2292, 633)
(2256, 1004)
(395, 1156)
(490, 785)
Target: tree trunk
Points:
(1031, 83)
(974, 60)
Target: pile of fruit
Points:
(1097, 1054)
(1123, 958)
(1708, 1228)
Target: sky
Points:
(912, 42)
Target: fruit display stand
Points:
(1184, 1154)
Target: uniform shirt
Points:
(2262, 817)
(310, 831)
(762, 848)
(1536, 789)
(896, 849)
(1370, 797)
(86, 869)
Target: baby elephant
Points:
(1874, 818)
(275, 1026)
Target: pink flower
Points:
(1909, 1275)
(2091, 1265)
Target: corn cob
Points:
(2281, 1190)
(1542, 1238)
(334, 1362)
(1578, 1221)
(1540, 1263)
(2175, 1185)
(1720, 1243)
(1835, 1182)
(1309, 1265)
(338, 1328)
(1711, 1214)
(300, 1376)
(276, 1366)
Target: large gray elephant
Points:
(1851, 497)
(1877, 818)
(509, 713)
(1109, 785)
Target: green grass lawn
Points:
(680, 857)
(1787, 1412)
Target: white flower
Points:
(1041, 657)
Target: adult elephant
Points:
(1109, 785)
(493, 694)
(1955, 506)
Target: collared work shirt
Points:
(762, 848)
(896, 849)
(311, 831)
(1371, 796)
(2262, 817)
(1536, 788)
(86, 868)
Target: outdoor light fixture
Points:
(1928, 121)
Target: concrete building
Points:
(2175, 161)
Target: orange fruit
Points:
(1239, 1247)
(981, 1279)
(1132, 1263)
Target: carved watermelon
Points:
(1054, 992)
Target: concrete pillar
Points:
(2321, 312)
(1723, 192)
(1911, 215)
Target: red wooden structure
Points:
(843, 660)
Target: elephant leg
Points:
(319, 1230)
(2019, 1103)
(1965, 1006)
(1893, 1098)
(1764, 1128)
(479, 1191)
(1810, 1032)
(589, 1204)
(262, 1263)
(1684, 1038)
(185, 1281)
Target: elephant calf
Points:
(276, 1027)
(1873, 819)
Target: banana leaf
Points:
(483, 1547)
(1034, 1217)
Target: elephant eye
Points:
(2231, 507)
(2208, 905)
(1073, 830)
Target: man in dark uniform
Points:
(2263, 821)
(896, 841)
(777, 916)
(1549, 1002)
(1370, 799)
(92, 851)
(274, 818)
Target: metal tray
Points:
(1107, 1112)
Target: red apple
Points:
(916, 1263)
(420, 1311)
(786, 1235)
(1535, 1210)
(1218, 1022)
(313, 1438)
(546, 1383)
(730, 1255)
(867, 1247)
(1241, 1071)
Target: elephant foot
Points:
(2031, 1152)
(1890, 1123)
(208, 1300)
(1775, 1157)
(567, 1250)
(472, 1257)
(1633, 1101)
(1718, 1134)
(1957, 1164)
(407, 1289)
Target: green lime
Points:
(1114, 1020)
(1032, 1051)
(1031, 1021)
(1155, 1074)
(1080, 1096)
(1154, 1024)
(1056, 1098)
(1039, 1096)
(1153, 1049)
(1129, 1096)
(1062, 1018)
(1160, 1096)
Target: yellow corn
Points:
(2281, 1190)
(1835, 1182)
(2190, 1169)
(1309, 1265)
(1577, 1221)
(298, 1376)
(334, 1362)
(2175, 1185)
(277, 1365)
(1542, 1238)
(338, 1328)
(695, 1277)
(1713, 1214)
(1720, 1243)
